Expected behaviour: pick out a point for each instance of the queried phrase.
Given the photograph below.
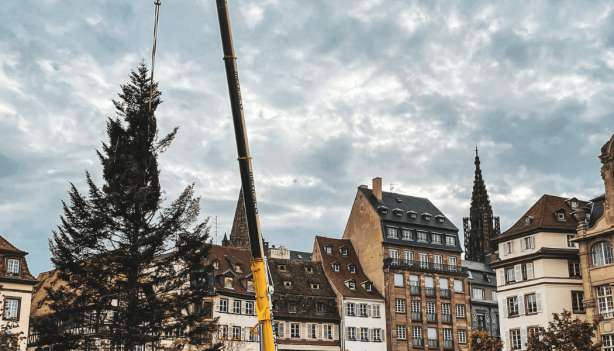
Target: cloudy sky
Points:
(336, 92)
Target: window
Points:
(416, 307)
(445, 309)
(414, 280)
(291, 308)
(282, 268)
(409, 256)
(527, 243)
(607, 342)
(375, 313)
(406, 234)
(250, 285)
(560, 216)
(335, 267)
(431, 333)
(394, 254)
(351, 268)
(577, 301)
(450, 240)
(604, 301)
(376, 335)
(295, 330)
(313, 331)
(424, 260)
(462, 336)
(223, 332)
(249, 308)
(436, 239)
(429, 282)
(315, 286)
(399, 306)
(287, 284)
(512, 306)
(224, 305)
(417, 332)
(236, 333)
(458, 286)
(328, 249)
(309, 269)
(530, 303)
(350, 309)
(364, 334)
(532, 331)
(238, 268)
(601, 253)
(574, 269)
(391, 232)
(480, 321)
(344, 251)
(570, 243)
(422, 236)
(12, 266)
(452, 262)
(228, 283)
(430, 307)
(447, 333)
(398, 280)
(437, 261)
(515, 340)
(460, 311)
(320, 307)
(527, 271)
(401, 332)
(328, 331)
(362, 310)
(351, 333)
(11, 308)
(510, 276)
(508, 247)
(236, 307)
(477, 293)
(368, 286)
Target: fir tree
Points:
(132, 271)
(564, 333)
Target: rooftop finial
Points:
(476, 151)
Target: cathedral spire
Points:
(480, 227)
(239, 236)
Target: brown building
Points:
(304, 306)
(411, 252)
(595, 237)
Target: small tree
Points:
(482, 341)
(564, 333)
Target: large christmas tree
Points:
(133, 271)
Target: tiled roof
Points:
(228, 259)
(339, 279)
(543, 216)
(6, 246)
(596, 210)
(404, 204)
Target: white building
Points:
(538, 271)
(361, 306)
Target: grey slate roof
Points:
(596, 210)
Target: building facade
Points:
(16, 287)
(595, 237)
(304, 306)
(360, 305)
(411, 252)
(538, 270)
(483, 291)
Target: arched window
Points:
(601, 253)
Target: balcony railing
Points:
(423, 266)
(429, 291)
(431, 317)
(433, 343)
(446, 318)
(448, 344)
(416, 316)
(444, 293)
(414, 289)
(417, 342)
(606, 315)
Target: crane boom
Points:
(259, 264)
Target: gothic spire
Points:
(239, 236)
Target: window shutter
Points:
(318, 331)
(281, 330)
(334, 331)
(523, 245)
(518, 272)
(369, 310)
(523, 336)
(500, 276)
(538, 302)
(520, 305)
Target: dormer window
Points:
(287, 284)
(216, 264)
(343, 251)
(573, 204)
(560, 216)
(282, 268)
(228, 282)
(328, 249)
(528, 220)
(309, 269)
(351, 268)
(450, 240)
(368, 286)
(440, 218)
(383, 210)
(12, 266)
(398, 212)
(250, 285)
(412, 214)
(335, 267)
(392, 232)
(436, 239)
(351, 284)
(315, 286)
(238, 268)
(291, 308)
(427, 216)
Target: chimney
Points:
(607, 173)
(377, 188)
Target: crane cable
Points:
(157, 3)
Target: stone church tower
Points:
(481, 226)
(239, 236)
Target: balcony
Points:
(414, 289)
(446, 318)
(448, 345)
(430, 292)
(416, 316)
(433, 343)
(431, 317)
(417, 342)
(423, 266)
(444, 293)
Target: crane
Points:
(259, 265)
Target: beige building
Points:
(16, 286)
(538, 271)
(410, 251)
(595, 238)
